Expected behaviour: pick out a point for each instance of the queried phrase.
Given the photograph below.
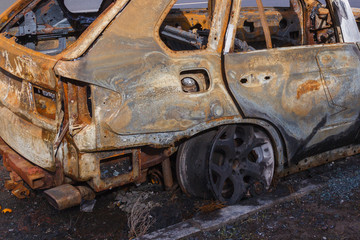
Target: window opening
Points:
(187, 26)
(289, 25)
(49, 26)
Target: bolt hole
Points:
(249, 26)
(267, 77)
(244, 80)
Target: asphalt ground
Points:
(320, 203)
(330, 212)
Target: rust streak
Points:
(308, 86)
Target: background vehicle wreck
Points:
(105, 117)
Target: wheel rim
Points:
(241, 159)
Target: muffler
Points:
(66, 196)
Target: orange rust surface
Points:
(311, 85)
(27, 64)
(264, 24)
(188, 19)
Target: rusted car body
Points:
(241, 95)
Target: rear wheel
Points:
(241, 159)
(226, 163)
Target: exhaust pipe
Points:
(66, 196)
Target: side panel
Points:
(311, 94)
(145, 77)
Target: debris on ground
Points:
(6, 210)
(140, 219)
(87, 205)
(17, 188)
(138, 206)
(126, 200)
(210, 206)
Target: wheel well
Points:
(277, 140)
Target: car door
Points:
(309, 92)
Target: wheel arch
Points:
(274, 134)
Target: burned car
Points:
(95, 93)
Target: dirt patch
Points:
(34, 218)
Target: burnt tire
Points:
(192, 165)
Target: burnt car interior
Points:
(49, 27)
(188, 29)
(288, 26)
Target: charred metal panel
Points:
(106, 178)
(322, 158)
(146, 79)
(30, 141)
(25, 125)
(309, 93)
(26, 64)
